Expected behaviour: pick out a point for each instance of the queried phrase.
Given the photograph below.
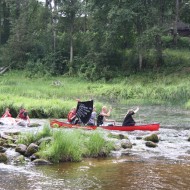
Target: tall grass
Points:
(32, 137)
(55, 96)
(73, 145)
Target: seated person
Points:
(71, 117)
(102, 117)
(7, 118)
(23, 117)
(7, 113)
(129, 121)
(92, 119)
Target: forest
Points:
(94, 39)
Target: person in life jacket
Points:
(7, 118)
(23, 115)
(102, 116)
(71, 116)
(7, 113)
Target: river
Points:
(164, 167)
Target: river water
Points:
(164, 167)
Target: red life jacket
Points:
(6, 114)
(70, 116)
(22, 114)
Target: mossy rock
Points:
(32, 148)
(153, 138)
(117, 136)
(151, 144)
(34, 125)
(3, 158)
(21, 148)
(2, 149)
(41, 162)
(20, 159)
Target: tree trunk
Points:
(175, 34)
(140, 61)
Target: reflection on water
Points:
(125, 173)
(165, 167)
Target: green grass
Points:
(54, 96)
(68, 145)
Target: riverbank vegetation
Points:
(67, 145)
(94, 39)
(54, 96)
(134, 52)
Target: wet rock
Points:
(20, 159)
(117, 136)
(188, 139)
(153, 138)
(2, 142)
(45, 140)
(138, 138)
(21, 148)
(2, 149)
(34, 156)
(7, 137)
(126, 144)
(32, 148)
(151, 144)
(3, 158)
(117, 146)
(41, 162)
(34, 125)
(12, 145)
(12, 133)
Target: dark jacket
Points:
(129, 121)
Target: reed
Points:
(97, 146)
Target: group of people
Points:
(102, 117)
(21, 119)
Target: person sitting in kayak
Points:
(102, 117)
(92, 119)
(71, 117)
(7, 113)
(129, 121)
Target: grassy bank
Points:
(54, 96)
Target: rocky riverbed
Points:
(168, 143)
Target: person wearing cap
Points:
(129, 121)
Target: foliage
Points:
(97, 146)
(32, 137)
(89, 38)
(73, 145)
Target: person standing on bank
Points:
(129, 121)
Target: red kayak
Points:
(145, 127)
(61, 124)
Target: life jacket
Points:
(23, 114)
(100, 120)
(70, 116)
(6, 115)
